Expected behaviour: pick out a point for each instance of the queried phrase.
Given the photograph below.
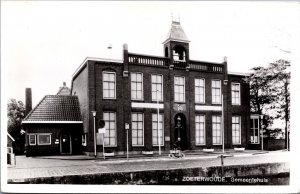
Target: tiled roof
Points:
(55, 108)
(176, 33)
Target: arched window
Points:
(179, 53)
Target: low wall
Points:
(274, 144)
(262, 174)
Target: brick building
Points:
(54, 126)
(188, 94)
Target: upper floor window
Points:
(110, 136)
(136, 86)
(157, 87)
(109, 85)
(235, 94)
(199, 91)
(216, 91)
(179, 88)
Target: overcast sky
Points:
(42, 43)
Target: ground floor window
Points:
(137, 124)
(216, 130)
(236, 130)
(110, 125)
(157, 131)
(44, 139)
(200, 129)
(254, 130)
(32, 139)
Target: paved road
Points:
(42, 167)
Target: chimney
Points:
(28, 100)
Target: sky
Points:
(43, 43)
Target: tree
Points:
(269, 92)
(15, 115)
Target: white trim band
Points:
(67, 122)
(146, 105)
(208, 108)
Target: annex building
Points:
(156, 99)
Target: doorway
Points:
(180, 130)
(66, 144)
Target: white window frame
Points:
(38, 138)
(142, 83)
(239, 94)
(212, 88)
(239, 129)
(107, 126)
(213, 130)
(115, 83)
(161, 98)
(204, 133)
(197, 100)
(253, 119)
(163, 130)
(136, 145)
(34, 139)
(179, 85)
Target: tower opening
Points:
(179, 53)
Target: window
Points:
(109, 85)
(216, 127)
(137, 129)
(199, 91)
(200, 129)
(83, 140)
(157, 87)
(254, 130)
(44, 139)
(110, 125)
(235, 94)
(136, 86)
(236, 130)
(32, 139)
(216, 91)
(157, 131)
(179, 89)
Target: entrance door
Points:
(65, 144)
(180, 130)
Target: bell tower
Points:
(176, 45)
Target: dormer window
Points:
(179, 53)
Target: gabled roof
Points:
(176, 33)
(64, 91)
(55, 109)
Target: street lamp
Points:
(262, 132)
(95, 143)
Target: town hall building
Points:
(159, 99)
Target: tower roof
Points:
(176, 33)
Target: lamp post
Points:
(223, 131)
(159, 135)
(262, 132)
(95, 140)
